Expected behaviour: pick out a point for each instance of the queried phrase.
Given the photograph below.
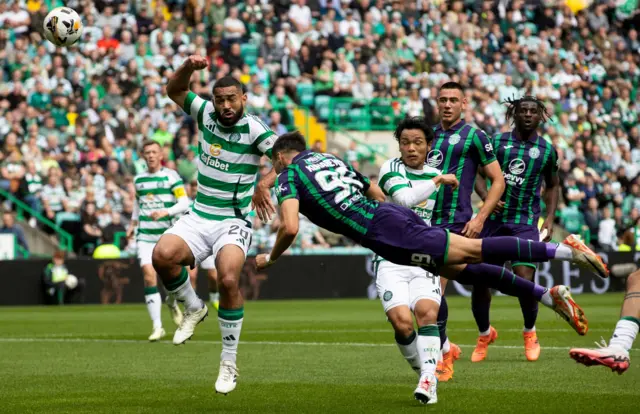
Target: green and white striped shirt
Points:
(228, 160)
(394, 176)
(154, 192)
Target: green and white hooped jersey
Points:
(228, 160)
(395, 175)
(156, 191)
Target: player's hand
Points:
(547, 230)
(130, 232)
(196, 62)
(157, 215)
(261, 202)
(499, 207)
(447, 179)
(262, 261)
(473, 228)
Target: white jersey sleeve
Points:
(392, 177)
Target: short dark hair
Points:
(291, 141)
(414, 122)
(148, 142)
(226, 81)
(452, 85)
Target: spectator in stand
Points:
(9, 227)
(275, 124)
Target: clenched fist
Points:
(196, 62)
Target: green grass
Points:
(297, 356)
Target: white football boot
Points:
(613, 357)
(426, 392)
(188, 325)
(227, 376)
(157, 334)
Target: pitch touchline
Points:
(205, 342)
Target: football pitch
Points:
(322, 356)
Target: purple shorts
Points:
(400, 236)
(521, 231)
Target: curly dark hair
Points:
(514, 106)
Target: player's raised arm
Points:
(178, 86)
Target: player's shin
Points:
(405, 336)
(230, 321)
(629, 323)
(428, 344)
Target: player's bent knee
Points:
(426, 312)
(228, 282)
(633, 281)
(401, 320)
(170, 251)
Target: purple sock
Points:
(502, 249)
(499, 278)
(443, 314)
(480, 305)
(529, 308)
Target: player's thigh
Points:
(425, 286)
(392, 283)
(462, 250)
(186, 242)
(231, 241)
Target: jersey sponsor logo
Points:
(214, 162)
(516, 167)
(488, 147)
(435, 158)
(395, 180)
(534, 153)
(454, 139)
(280, 189)
(215, 149)
(508, 146)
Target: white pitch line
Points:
(279, 343)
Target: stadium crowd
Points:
(72, 121)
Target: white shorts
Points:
(209, 263)
(145, 252)
(207, 237)
(405, 285)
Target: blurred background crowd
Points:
(72, 121)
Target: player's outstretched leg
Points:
(500, 249)
(557, 298)
(170, 256)
(616, 355)
(229, 263)
(480, 305)
(428, 346)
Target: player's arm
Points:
(551, 195)
(261, 199)
(483, 191)
(178, 85)
(134, 219)
(374, 192)
(289, 224)
(486, 158)
(181, 205)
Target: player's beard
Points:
(234, 120)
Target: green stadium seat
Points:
(305, 94)
(321, 104)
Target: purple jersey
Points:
(459, 150)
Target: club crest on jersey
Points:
(516, 167)
(434, 158)
(454, 139)
(215, 149)
(534, 153)
(234, 137)
(387, 296)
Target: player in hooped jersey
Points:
(334, 196)
(528, 161)
(408, 291)
(160, 199)
(460, 149)
(231, 144)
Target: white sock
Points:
(547, 300)
(187, 296)
(486, 333)
(428, 348)
(533, 329)
(214, 296)
(625, 333)
(446, 347)
(563, 252)
(410, 351)
(230, 321)
(154, 304)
